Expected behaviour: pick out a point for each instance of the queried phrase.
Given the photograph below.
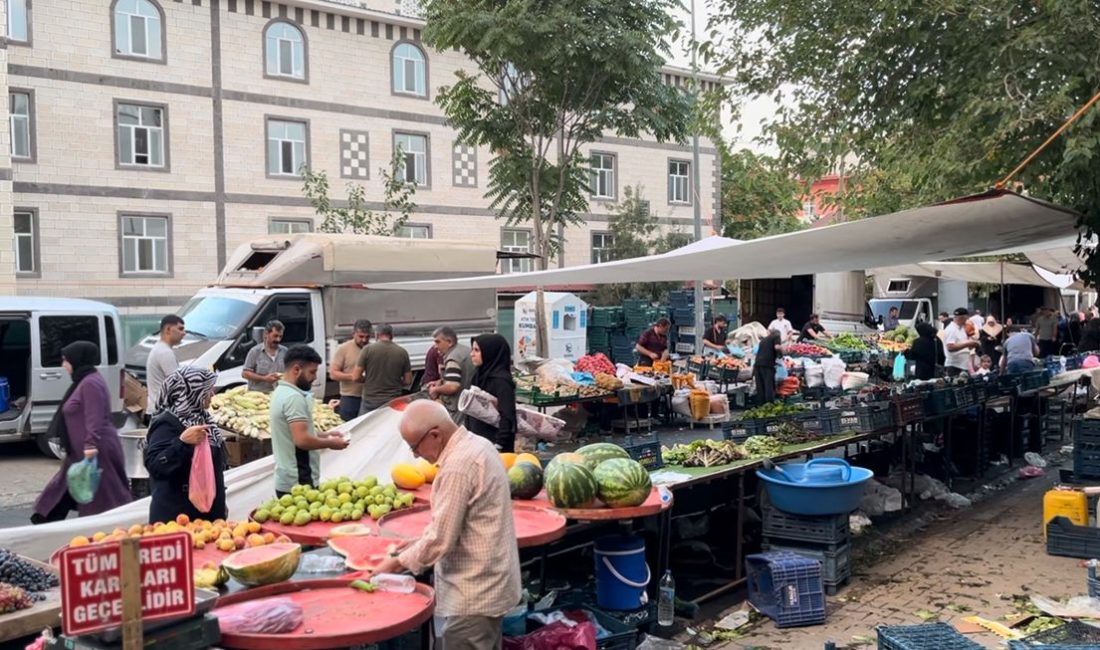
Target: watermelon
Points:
(349, 530)
(525, 480)
(569, 485)
(567, 457)
(363, 552)
(596, 453)
(263, 565)
(622, 483)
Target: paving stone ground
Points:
(969, 560)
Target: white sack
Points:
(480, 405)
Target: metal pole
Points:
(1003, 297)
(697, 207)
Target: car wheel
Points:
(49, 446)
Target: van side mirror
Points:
(258, 335)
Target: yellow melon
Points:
(529, 458)
(429, 470)
(406, 476)
(509, 459)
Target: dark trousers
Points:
(1047, 348)
(765, 383)
(66, 505)
(365, 408)
(349, 407)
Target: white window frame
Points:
(153, 133)
(125, 14)
(407, 141)
(509, 244)
(809, 209)
(406, 230)
(408, 56)
(280, 34)
(160, 264)
(603, 175)
(21, 122)
(31, 236)
(280, 140)
(679, 182)
(18, 32)
(601, 253)
(283, 226)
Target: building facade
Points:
(149, 137)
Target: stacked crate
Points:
(825, 539)
(603, 323)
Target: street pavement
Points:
(24, 471)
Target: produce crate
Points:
(1074, 635)
(648, 454)
(851, 356)
(874, 416)
(699, 369)
(1070, 540)
(620, 636)
(983, 390)
(822, 420)
(735, 430)
(932, 636)
(849, 421)
(1093, 583)
(763, 426)
(820, 393)
(909, 409)
(724, 375)
(1034, 380)
(780, 526)
(1086, 448)
(836, 562)
(786, 588)
(1086, 431)
(637, 395)
(938, 402)
(964, 396)
(1008, 384)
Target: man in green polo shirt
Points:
(294, 442)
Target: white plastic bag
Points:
(480, 405)
(815, 375)
(854, 380)
(557, 370)
(834, 372)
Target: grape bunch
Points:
(13, 599)
(17, 572)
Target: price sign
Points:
(92, 583)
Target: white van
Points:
(32, 333)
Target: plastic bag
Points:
(83, 480)
(815, 375)
(834, 372)
(264, 616)
(201, 486)
(899, 367)
(559, 635)
(780, 372)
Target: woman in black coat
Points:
(926, 352)
(493, 358)
(182, 421)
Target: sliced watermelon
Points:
(362, 552)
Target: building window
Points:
(21, 114)
(414, 153)
(285, 50)
(515, 241)
(679, 179)
(414, 231)
(141, 130)
(809, 209)
(19, 21)
(26, 243)
(410, 70)
(603, 176)
(286, 147)
(139, 30)
(601, 247)
(289, 226)
(144, 245)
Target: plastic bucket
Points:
(5, 395)
(622, 574)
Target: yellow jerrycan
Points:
(1070, 504)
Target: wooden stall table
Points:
(45, 613)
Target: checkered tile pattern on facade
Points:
(354, 154)
(464, 165)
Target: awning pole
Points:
(696, 181)
(1002, 293)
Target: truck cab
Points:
(910, 310)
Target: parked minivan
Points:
(32, 333)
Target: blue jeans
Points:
(1019, 366)
(365, 408)
(349, 407)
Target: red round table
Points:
(534, 526)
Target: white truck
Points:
(318, 285)
(839, 298)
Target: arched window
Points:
(139, 29)
(284, 50)
(410, 70)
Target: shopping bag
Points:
(83, 480)
(899, 367)
(202, 485)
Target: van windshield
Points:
(215, 316)
(907, 309)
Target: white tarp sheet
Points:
(983, 272)
(965, 227)
(376, 446)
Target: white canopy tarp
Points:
(376, 446)
(964, 227)
(982, 272)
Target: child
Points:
(985, 365)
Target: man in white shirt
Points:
(161, 361)
(977, 320)
(957, 344)
(782, 325)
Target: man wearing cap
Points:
(958, 344)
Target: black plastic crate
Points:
(1070, 540)
(786, 588)
(931, 636)
(836, 562)
(781, 527)
(964, 396)
(735, 430)
(648, 454)
(1074, 635)
(874, 416)
(909, 409)
(938, 402)
(1086, 463)
(619, 635)
(1034, 380)
(826, 422)
(763, 426)
(1086, 432)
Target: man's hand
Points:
(334, 440)
(389, 565)
(432, 390)
(334, 404)
(194, 435)
(272, 378)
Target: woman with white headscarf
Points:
(182, 421)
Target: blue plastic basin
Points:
(809, 489)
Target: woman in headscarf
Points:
(926, 353)
(991, 336)
(83, 426)
(183, 421)
(493, 359)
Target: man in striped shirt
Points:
(471, 537)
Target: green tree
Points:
(935, 99)
(356, 217)
(759, 197)
(636, 232)
(551, 78)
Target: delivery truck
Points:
(838, 298)
(923, 298)
(318, 285)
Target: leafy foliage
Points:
(356, 217)
(551, 78)
(935, 99)
(759, 197)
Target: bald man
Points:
(471, 538)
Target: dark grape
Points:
(17, 572)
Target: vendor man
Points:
(652, 345)
(890, 323)
(781, 325)
(813, 330)
(958, 344)
(264, 362)
(715, 338)
(471, 539)
(763, 367)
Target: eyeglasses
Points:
(420, 441)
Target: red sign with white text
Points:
(91, 583)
